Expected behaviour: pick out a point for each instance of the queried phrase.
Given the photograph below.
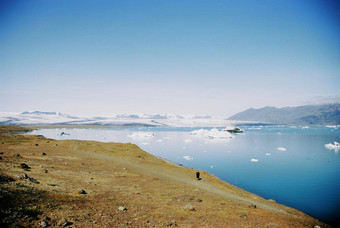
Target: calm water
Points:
(305, 176)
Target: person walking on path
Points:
(198, 175)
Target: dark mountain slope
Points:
(310, 114)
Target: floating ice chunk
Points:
(188, 141)
(254, 160)
(305, 127)
(211, 167)
(335, 146)
(159, 140)
(333, 126)
(141, 134)
(213, 133)
(268, 154)
(145, 143)
(281, 149)
(187, 157)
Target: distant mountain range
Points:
(129, 120)
(328, 114)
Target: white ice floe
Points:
(187, 157)
(213, 133)
(188, 141)
(159, 140)
(335, 146)
(254, 160)
(333, 126)
(281, 149)
(268, 154)
(141, 134)
(145, 143)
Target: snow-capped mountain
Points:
(54, 118)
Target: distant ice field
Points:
(289, 164)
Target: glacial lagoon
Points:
(289, 164)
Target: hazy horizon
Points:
(184, 57)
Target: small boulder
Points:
(43, 154)
(121, 208)
(189, 207)
(243, 216)
(22, 176)
(36, 144)
(252, 206)
(63, 222)
(43, 223)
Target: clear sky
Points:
(101, 57)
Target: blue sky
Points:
(205, 57)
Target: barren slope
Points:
(154, 192)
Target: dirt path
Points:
(180, 179)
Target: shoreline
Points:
(117, 166)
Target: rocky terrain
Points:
(70, 183)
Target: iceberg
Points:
(281, 149)
(335, 146)
(254, 160)
(213, 133)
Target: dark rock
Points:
(1, 152)
(82, 191)
(43, 154)
(5, 179)
(31, 179)
(36, 144)
(199, 200)
(0, 158)
(17, 155)
(25, 166)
